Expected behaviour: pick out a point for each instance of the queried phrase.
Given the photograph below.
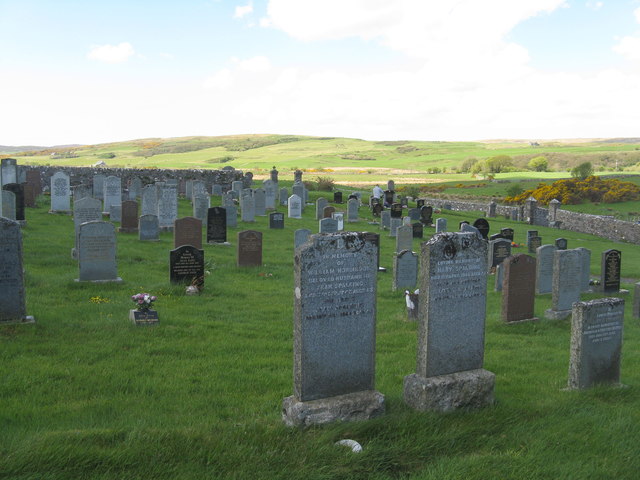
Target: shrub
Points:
(325, 184)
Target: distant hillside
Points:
(5, 149)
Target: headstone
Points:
(404, 238)
(507, 233)
(334, 332)
(585, 262)
(636, 301)
(232, 216)
(596, 343)
(276, 220)
(414, 214)
(8, 205)
(229, 198)
(299, 190)
(270, 194)
(201, 204)
(294, 207)
(12, 294)
(60, 193)
(198, 187)
(259, 203)
(327, 225)
(115, 213)
(352, 210)
(533, 243)
(18, 191)
(273, 175)
(216, 189)
(393, 226)
(284, 196)
(530, 235)
(610, 271)
(497, 286)
(417, 230)
(112, 192)
(396, 210)
(97, 252)
(467, 228)
(217, 225)
(565, 289)
(186, 266)
(9, 171)
(33, 178)
(498, 251)
(518, 289)
(544, 268)
(492, 209)
(453, 287)
(135, 188)
(389, 197)
(337, 197)
(300, 236)
(561, 243)
(297, 176)
(405, 270)
(391, 185)
(385, 219)
(441, 225)
(420, 203)
(328, 211)
(98, 186)
(320, 204)
(406, 221)
(167, 206)
(87, 209)
(374, 239)
(249, 248)
(237, 186)
(339, 217)
(150, 200)
(483, 227)
(187, 231)
(426, 215)
(148, 228)
(247, 208)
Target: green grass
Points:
(85, 394)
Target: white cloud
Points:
(111, 53)
(221, 80)
(243, 10)
(594, 5)
(254, 64)
(628, 47)
(636, 13)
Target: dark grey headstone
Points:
(247, 208)
(276, 220)
(483, 227)
(566, 283)
(320, 204)
(300, 236)
(327, 225)
(533, 243)
(167, 206)
(12, 294)
(544, 268)
(352, 210)
(98, 186)
(18, 191)
(405, 270)
(150, 200)
(426, 214)
(404, 238)
(596, 343)
(561, 243)
(260, 202)
(115, 213)
(507, 233)
(232, 216)
(610, 264)
(217, 225)
(112, 192)
(337, 197)
(148, 228)
(186, 266)
(585, 262)
(97, 252)
(385, 219)
(414, 214)
(417, 230)
(441, 225)
(499, 250)
(396, 210)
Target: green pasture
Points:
(85, 394)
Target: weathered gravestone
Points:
(396, 210)
(561, 243)
(294, 207)
(260, 202)
(34, 179)
(276, 220)
(299, 190)
(115, 213)
(533, 243)
(385, 219)
(60, 193)
(112, 192)
(566, 283)
(453, 284)
(596, 343)
(18, 191)
(518, 289)
(30, 195)
(86, 209)
(216, 189)
(417, 230)
(237, 186)
(339, 217)
(135, 188)
(352, 210)
(441, 225)
(186, 266)
(247, 208)
(334, 332)
(12, 294)
(249, 248)
(217, 225)
(414, 214)
(636, 300)
(610, 271)
(327, 225)
(270, 188)
(201, 204)
(8, 171)
(507, 233)
(150, 200)
(499, 250)
(284, 196)
(394, 224)
(148, 228)
(98, 186)
(585, 262)
(80, 191)
(404, 238)
(320, 204)
(328, 211)
(337, 197)
(8, 205)
(389, 197)
(544, 268)
(482, 225)
(167, 206)
(187, 231)
(426, 214)
(300, 236)
(232, 216)
(129, 220)
(97, 252)
(405, 270)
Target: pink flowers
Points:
(144, 301)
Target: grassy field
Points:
(87, 395)
(348, 160)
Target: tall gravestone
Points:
(135, 188)
(566, 283)
(300, 236)
(167, 206)
(249, 248)
(97, 252)
(453, 287)
(8, 205)
(112, 192)
(352, 210)
(115, 213)
(98, 186)
(148, 228)
(270, 190)
(283, 196)
(610, 264)
(294, 207)
(441, 225)
(232, 216)
(18, 191)
(596, 343)
(60, 193)
(186, 266)
(334, 332)
(320, 204)
(405, 270)
(8, 171)
(385, 219)
(544, 268)
(417, 230)
(499, 250)
(217, 225)
(404, 238)
(12, 293)
(129, 219)
(247, 207)
(259, 201)
(426, 214)
(150, 200)
(585, 262)
(518, 289)
(187, 231)
(201, 204)
(87, 209)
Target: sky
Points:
(86, 72)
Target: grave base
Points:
(25, 319)
(128, 230)
(219, 244)
(114, 280)
(443, 393)
(346, 408)
(524, 320)
(61, 212)
(557, 314)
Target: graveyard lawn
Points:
(84, 393)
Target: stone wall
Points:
(462, 206)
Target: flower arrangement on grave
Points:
(143, 301)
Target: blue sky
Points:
(91, 72)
